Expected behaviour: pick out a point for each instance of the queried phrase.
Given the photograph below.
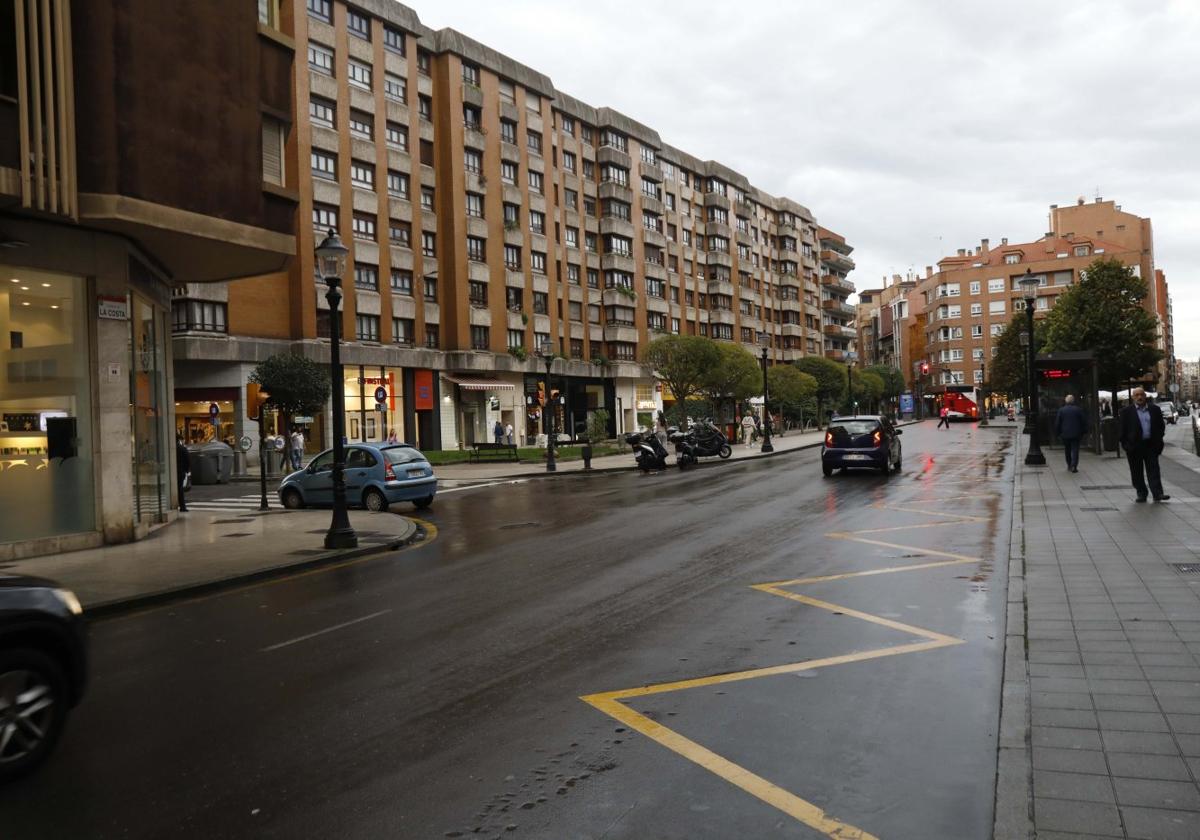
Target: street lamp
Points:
(331, 262)
(850, 358)
(983, 394)
(545, 352)
(764, 340)
(1034, 456)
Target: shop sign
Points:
(300, 418)
(112, 308)
(423, 387)
(646, 405)
(373, 380)
(245, 443)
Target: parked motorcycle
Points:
(710, 440)
(649, 453)
(685, 447)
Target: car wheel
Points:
(827, 470)
(33, 709)
(724, 451)
(375, 501)
(292, 500)
(421, 504)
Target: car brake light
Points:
(877, 437)
(829, 438)
(388, 473)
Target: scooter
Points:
(709, 441)
(649, 453)
(685, 447)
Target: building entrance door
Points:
(150, 482)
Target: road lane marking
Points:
(341, 626)
(611, 703)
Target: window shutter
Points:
(272, 151)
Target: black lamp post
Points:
(546, 353)
(764, 339)
(1034, 456)
(850, 358)
(983, 395)
(331, 260)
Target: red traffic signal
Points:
(924, 368)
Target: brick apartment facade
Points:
(487, 213)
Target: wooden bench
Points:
(493, 451)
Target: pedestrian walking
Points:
(392, 436)
(297, 447)
(1142, 430)
(944, 417)
(498, 432)
(1070, 424)
(508, 434)
(748, 429)
(183, 472)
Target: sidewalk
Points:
(209, 550)
(1100, 728)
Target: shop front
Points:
(482, 402)
(573, 399)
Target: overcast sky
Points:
(912, 128)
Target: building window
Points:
(363, 226)
(470, 74)
(320, 58)
(362, 174)
(324, 216)
(425, 106)
(362, 125)
(512, 257)
(514, 299)
(534, 141)
(397, 136)
(615, 139)
(996, 307)
(586, 134)
(393, 40)
(624, 351)
(198, 316)
(576, 348)
(593, 278)
(508, 172)
(428, 244)
(402, 281)
(589, 242)
(475, 205)
(427, 199)
(322, 112)
(366, 327)
(366, 277)
(397, 184)
(476, 248)
(403, 331)
(536, 182)
(394, 87)
(571, 199)
(976, 309)
(508, 131)
(996, 284)
(321, 10)
(400, 233)
(533, 102)
(572, 237)
(1012, 259)
(268, 13)
(473, 160)
(537, 261)
(575, 310)
(568, 161)
(358, 24)
(430, 283)
(977, 331)
(274, 133)
(508, 91)
(573, 276)
(974, 288)
(324, 164)
(473, 117)
(516, 338)
(480, 338)
(427, 153)
(424, 62)
(537, 221)
(431, 336)
(477, 293)
(541, 303)
(360, 74)
(1082, 250)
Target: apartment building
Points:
(1189, 381)
(972, 296)
(837, 315)
(489, 214)
(100, 218)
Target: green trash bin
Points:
(1108, 433)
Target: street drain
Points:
(1187, 568)
(1097, 508)
(514, 525)
(245, 534)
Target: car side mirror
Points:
(899, 431)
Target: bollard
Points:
(587, 454)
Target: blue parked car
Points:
(376, 475)
(869, 441)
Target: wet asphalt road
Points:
(436, 691)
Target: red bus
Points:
(960, 406)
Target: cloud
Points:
(912, 128)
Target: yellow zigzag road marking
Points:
(800, 809)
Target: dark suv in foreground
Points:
(43, 669)
(869, 441)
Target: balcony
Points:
(653, 269)
(721, 316)
(613, 155)
(652, 204)
(620, 332)
(653, 237)
(838, 261)
(618, 296)
(794, 330)
(715, 199)
(653, 171)
(839, 331)
(616, 225)
(836, 355)
(619, 262)
(613, 189)
(745, 209)
(838, 284)
(838, 306)
(720, 287)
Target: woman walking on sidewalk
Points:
(944, 416)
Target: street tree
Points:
(794, 392)
(1104, 313)
(1007, 373)
(682, 362)
(831, 381)
(295, 383)
(868, 389)
(893, 381)
(736, 377)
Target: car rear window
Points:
(855, 427)
(402, 455)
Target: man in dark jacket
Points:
(183, 466)
(1070, 425)
(1142, 430)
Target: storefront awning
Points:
(479, 384)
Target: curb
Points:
(1013, 814)
(119, 606)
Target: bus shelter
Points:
(1060, 374)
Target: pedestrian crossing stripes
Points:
(234, 504)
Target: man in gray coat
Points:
(1070, 425)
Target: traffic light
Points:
(924, 368)
(255, 397)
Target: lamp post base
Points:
(1034, 457)
(341, 538)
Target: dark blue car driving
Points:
(862, 441)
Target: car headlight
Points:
(67, 598)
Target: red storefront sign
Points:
(423, 390)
